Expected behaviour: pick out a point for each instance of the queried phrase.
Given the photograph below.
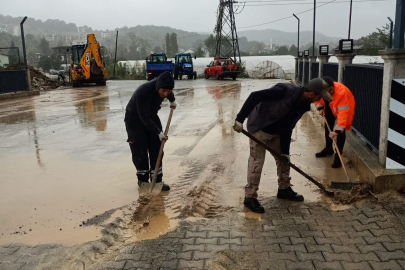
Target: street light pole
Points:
(391, 28)
(399, 25)
(313, 34)
(115, 59)
(25, 54)
(298, 42)
(350, 18)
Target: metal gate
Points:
(13, 81)
(365, 82)
(300, 72)
(331, 70)
(314, 70)
(306, 70)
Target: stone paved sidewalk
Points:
(288, 236)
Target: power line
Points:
(305, 3)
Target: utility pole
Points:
(115, 59)
(25, 54)
(313, 35)
(350, 18)
(391, 28)
(298, 42)
(227, 39)
(399, 25)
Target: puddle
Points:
(250, 215)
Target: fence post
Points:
(297, 67)
(323, 59)
(312, 59)
(344, 59)
(394, 68)
(304, 60)
(299, 75)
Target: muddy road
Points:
(66, 170)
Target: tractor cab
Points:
(77, 54)
(183, 65)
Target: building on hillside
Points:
(4, 60)
(105, 34)
(49, 37)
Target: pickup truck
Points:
(222, 68)
(157, 64)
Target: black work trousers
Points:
(341, 138)
(145, 149)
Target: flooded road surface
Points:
(65, 160)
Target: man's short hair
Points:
(328, 80)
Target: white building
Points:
(105, 35)
(4, 60)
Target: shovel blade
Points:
(157, 188)
(144, 188)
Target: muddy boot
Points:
(141, 183)
(253, 205)
(326, 152)
(289, 194)
(165, 187)
(336, 162)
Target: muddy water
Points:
(65, 160)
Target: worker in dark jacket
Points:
(144, 128)
(272, 115)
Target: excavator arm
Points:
(92, 50)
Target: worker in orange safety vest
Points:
(341, 109)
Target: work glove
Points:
(284, 159)
(173, 104)
(238, 127)
(162, 136)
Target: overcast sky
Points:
(200, 15)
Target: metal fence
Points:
(300, 72)
(331, 70)
(13, 81)
(306, 70)
(365, 82)
(314, 70)
(12, 76)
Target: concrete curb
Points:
(19, 94)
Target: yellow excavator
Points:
(87, 64)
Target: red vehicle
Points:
(222, 68)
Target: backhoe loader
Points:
(87, 65)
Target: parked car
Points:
(222, 68)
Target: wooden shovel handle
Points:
(337, 149)
(162, 145)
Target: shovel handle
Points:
(337, 149)
(262, 144)
(162, 145)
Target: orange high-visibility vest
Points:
(342, 106)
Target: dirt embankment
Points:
(39, 81)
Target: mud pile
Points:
(357, 193)
(39, 81)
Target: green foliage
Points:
(210, 44)
(378, 40)
(44, 46)
(122, 73)
(199, 52)
(293, 50)
(173, 44)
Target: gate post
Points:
(304, 60)
(299, 73)
(394, 68)
(344, 59)
(323, 59)
(312, 59)
(297, 67)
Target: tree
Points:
(133, 45)
(44, 46)
(283, 50)
(378, 40)
(13, 57)
(157, 49)
(173, 44)
(168, 45)
(210, 44)
(199, 52)
(293, 50)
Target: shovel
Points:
(155, 188)
(348, 185)
(262, 144)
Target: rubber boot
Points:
(289, 194)
(336, 162)
(253, 205)
(326, 152)
(165, 187)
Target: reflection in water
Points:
(226, 97)
(93, 112)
